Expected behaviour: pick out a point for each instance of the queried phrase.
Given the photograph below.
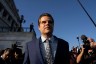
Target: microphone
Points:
(78, 40)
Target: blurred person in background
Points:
(17, 56)
(5, 55)
(88, 51)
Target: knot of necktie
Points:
(47, 41)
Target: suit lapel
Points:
(57, 46)
(56, 39)
(38, 50)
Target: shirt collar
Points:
(43, 38)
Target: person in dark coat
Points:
(35, 52)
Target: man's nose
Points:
(47, 22)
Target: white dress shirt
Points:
(53, 44)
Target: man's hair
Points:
(45, 14)
(8, 49)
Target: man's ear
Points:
(39, 27)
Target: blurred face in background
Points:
(6, 55)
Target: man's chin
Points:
(48, 32)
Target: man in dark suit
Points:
(35, 52)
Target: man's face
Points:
(46, 25)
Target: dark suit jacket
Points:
(33, 55)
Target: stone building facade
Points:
(9, 17)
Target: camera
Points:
(86, 42)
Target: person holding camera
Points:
(87, 53)
(92, 43)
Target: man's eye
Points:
(50, 22)
(43, 22)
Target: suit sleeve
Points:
(26, 55)
(65, 54)
(62, 53)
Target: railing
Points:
(14, 29)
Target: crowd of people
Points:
(77, 55)
(11, 56)
(86, 54)
(49, 49)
